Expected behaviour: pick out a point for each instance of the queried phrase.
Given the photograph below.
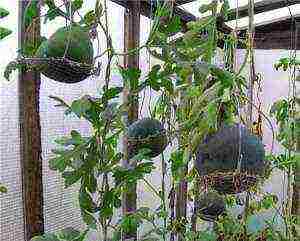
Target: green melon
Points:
(80, 50)
(147, 134)
(210, 206)
(219, 156)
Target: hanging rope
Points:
(291, 116)
(257, 125)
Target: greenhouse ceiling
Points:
(268, 11)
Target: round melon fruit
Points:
(221, 154)
(79, 49)
(147, 134)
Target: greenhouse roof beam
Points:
(181, 2)
(260, 7)
(148, 11)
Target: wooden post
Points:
(251, 29)
(296, 185)
(131, 41)
(30, 134)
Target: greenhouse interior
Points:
(150, 120)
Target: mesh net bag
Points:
(68, 55)
(147, 134)
(231, 160)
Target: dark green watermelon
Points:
(80, 50)
(147, 134)
(220, 154)
(210, 206)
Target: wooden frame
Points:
(131, 41)
(30, 135)
(260, 7)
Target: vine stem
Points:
(105, 184)
(152, 188)
(249, 119)
(163, 194)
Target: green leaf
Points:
(3, 13)
(269, 201)
(31, 13)
(53, 11)
(225, 9)
(85, 201)
(168, 84)
(46, 237)
(81, 106)
(177, 163)
(143, 154)
(12, 66)
(4, 32)
(89, 18)
(110, 201)
(69, 234)
(212, 113)
(58, 163)
(77, 4)
(125, 176)
(174, 25)
(129, 223)
(71, 177)
(207, 236)
(130, 77)
(153, 77)
(3, 189)
(112, 93)
(77, 138)
(89, 219)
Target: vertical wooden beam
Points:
(30, 134)
(296, 186)
(131, 41)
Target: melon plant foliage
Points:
(195, 96)
(4, 32)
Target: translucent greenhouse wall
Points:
(60, 205)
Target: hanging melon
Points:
(210, 206)
(73, 43)
(219, 157)
(147, 134)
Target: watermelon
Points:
(148, 134)
(222, 152)
(80, 50)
